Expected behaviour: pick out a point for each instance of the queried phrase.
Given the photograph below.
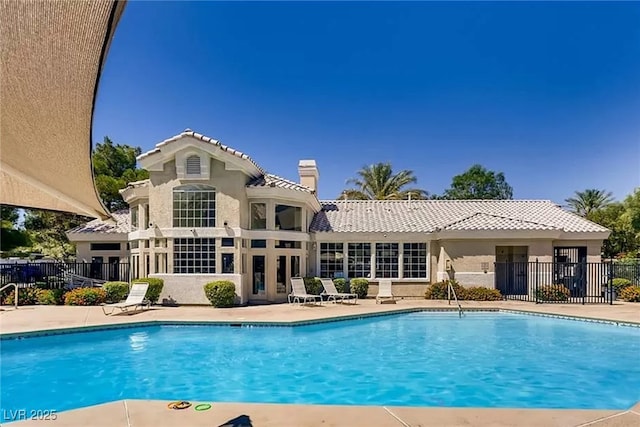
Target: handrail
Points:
(451, 290)
(15, 298)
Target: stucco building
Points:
(210, 212)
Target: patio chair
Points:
(299, 292)
(332, 293)
(134, 300)
(384, 291)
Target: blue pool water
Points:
(417, 359)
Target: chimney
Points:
(309, 175)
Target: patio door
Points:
(258, 278)
(287, 266)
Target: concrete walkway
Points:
(134, 413)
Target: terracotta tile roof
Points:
(189, 132)
(122, 224)
(270, 180)
(425, 216)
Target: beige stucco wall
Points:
(189, 288)
(231, 198)
(467, 256)
(402, 290)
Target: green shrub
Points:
(479, 293)
(155, 288)
(341, 285)
(313, 285)
(116, 291)
(51, 296)
(631, 294)
(85, 296)
(26, 296)
(619, 283)
(553, 293)
(439, 290)
(221, 293)
(360, 287)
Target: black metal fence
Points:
(56, 275)
(563, 282)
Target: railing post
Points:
(610, 282)
(535, 293)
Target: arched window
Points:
(192, 165)
(194, 205)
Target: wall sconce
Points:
(447, 265)
(226, 223)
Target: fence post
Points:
(535, 294)
(610, 282)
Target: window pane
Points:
(415, 260)
(194, 206)
(258, 216)
(331, 260)
(387, 255)
(288, 218)
(359, 261)
(191, 256)
(258, 243)
(227, 263)
(227, 241)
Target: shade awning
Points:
(52, 53)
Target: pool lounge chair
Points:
(384, 291)
(332, 293)
(299, 293)
(134, 300)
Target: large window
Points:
(359, 261)
(288, 218)
(331, 259)
(194, 255)
(387, 255)
(415, 260)
(105, 246)
(258, 216)
(194, 206)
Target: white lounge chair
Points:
(299, 292)
(332, 293)
(134, 300)
(384, 291)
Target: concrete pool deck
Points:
(132, 413)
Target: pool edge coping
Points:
(294, 323)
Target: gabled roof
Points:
(427, 216)
(121, 224)
(209, 140)
(270, 180)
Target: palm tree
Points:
(584, 203)
(378, 182)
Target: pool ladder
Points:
(455, 297)
(15, 298)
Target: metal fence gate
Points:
(563, 282)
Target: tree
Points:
(10, 236)
(584, 203)
(623, 238)
(47, 231)
(478, 183)
(378, 182)
(114, 167)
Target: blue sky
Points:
(548, 93)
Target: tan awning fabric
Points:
(52, 53)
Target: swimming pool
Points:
(414, 359)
